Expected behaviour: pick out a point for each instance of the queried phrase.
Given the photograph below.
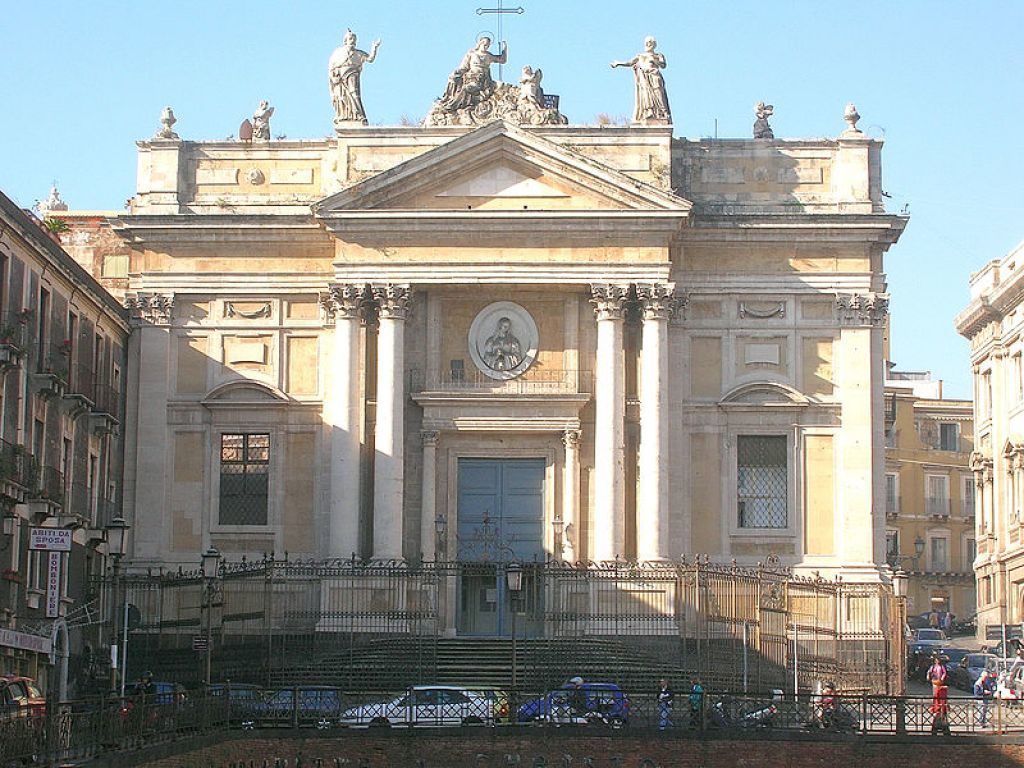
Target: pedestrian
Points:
(984, 687)
(937, 671)
(696, 703)
(947, 623)
(933, 619)
(940, 710)
(666, 700)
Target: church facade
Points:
(494, 341)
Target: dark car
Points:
(951, 658)
(20, 697)
(241, 699)
(969, 669)
(604, 703)
(318, 705)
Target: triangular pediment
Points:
(501, 167)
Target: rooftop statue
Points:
(344, 70)
(762, 112)
(261, 122)
(651, 98)
(472, 96)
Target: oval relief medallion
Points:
(503, 340)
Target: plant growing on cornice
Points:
(55, 226)
(65, 347)
(24, 316)
(8, 333)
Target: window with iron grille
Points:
(762, 496)
(244, 469)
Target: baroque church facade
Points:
(494, 338)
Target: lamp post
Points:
(441, 529)
(211, 568)
(117, 545)
(514, 581)
(918, 550)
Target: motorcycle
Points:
(729, 712)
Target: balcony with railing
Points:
(106, 409)
(533, 381)
(49, 486)
(81, 385)
(936, 506)
(18, 472)
(52, 369)
(14, 338)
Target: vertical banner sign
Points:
(53, 586)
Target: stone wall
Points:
(488, 748)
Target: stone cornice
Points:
(231, 228)
(884, 229)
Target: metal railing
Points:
(85, 729)
(82, 381)
(535, 380)
(50, 485)
(17, 466)
(341, 622)
(936, 506)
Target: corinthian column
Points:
(657, 302)
(608, 523)
(388, 471)
(345, 303)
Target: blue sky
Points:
(939, 81)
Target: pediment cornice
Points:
(387, 194)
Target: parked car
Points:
(966, 672)
(966, 626)
(951, 658)
(604, 703)
(243, 701)
(317, 705)
(430, 705)
(20, 697)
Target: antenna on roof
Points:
(499, 12)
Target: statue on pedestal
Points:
(261, 122)
(651, 98)
(472, 96)
(344, 70)
(762, 112)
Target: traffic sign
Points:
(50, 539)
(995, 631)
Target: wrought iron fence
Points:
(364, 626)
(84, 729)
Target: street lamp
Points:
(441, 529)
(117, 546)
(514, 581)
(899, 582)
(211, 569)
(8, 528)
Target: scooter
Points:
(731, 713)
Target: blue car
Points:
(318, 705)
(603, 703)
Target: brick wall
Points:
(486, 748)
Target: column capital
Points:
(429, 437)
(659, 301)
(609, 300)
(571, 438)
(392, 300)
(149, 308)
(344, 301)
(865, 309)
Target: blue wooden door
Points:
(500, 514)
